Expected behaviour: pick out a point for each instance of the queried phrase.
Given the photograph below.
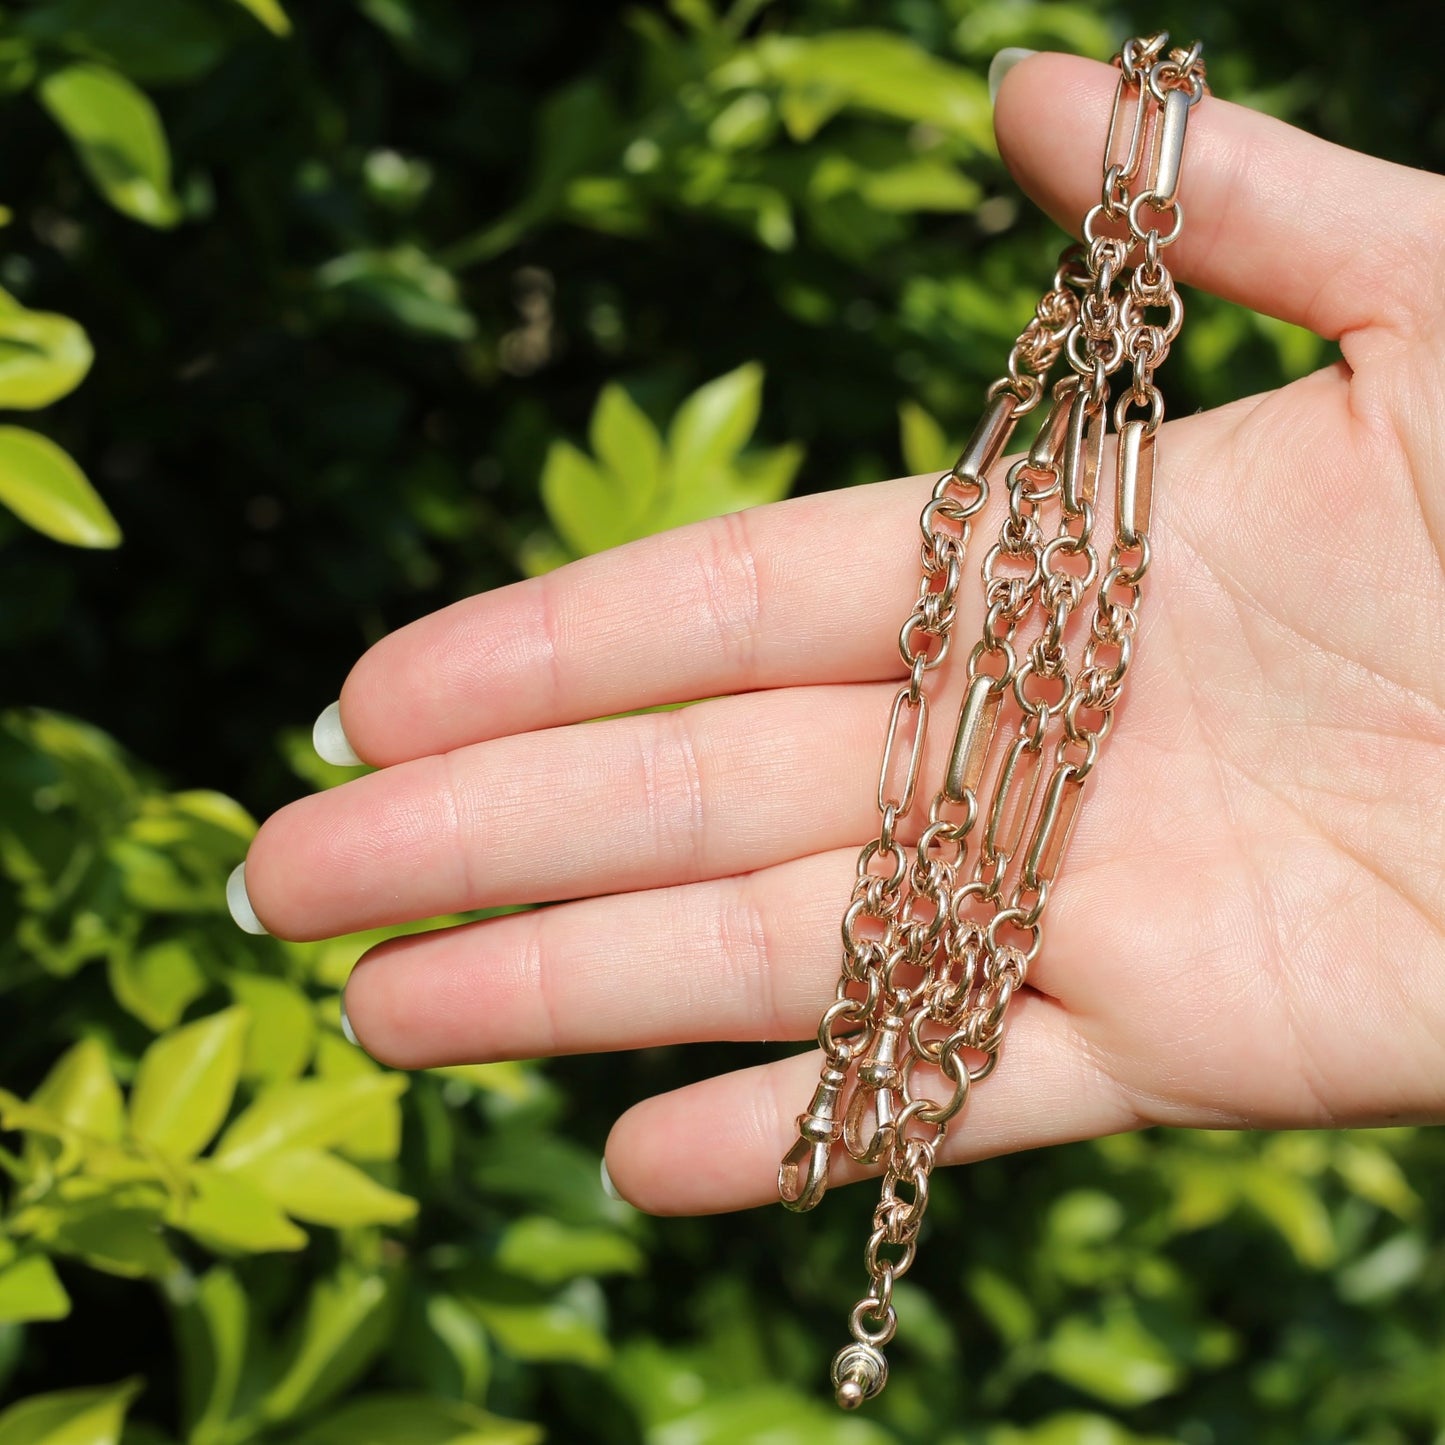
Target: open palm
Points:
(1250, 926)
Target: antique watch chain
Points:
(936, 948)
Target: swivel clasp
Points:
(877, 1088)
(803, 1174)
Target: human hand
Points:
(1250, 926)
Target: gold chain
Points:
(934, 951)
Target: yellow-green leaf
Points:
(70, 1417)
(546, 1250)
(81, 1092)
(375, 1131)
(270, 14)
(713, 424)
(31, 1290)
(628, 445)
(403, 1419)
(307, 1114)
(225, 1212)
(47, 491)
(212, 1340)
(112, 1229)
(925, 447)
(117, 135)
(157, 984)
(185, 1083)
(283, 1026)
(543, 1329)
(584, 505)
(42, 357)
(348, 1320)
(319, 1188)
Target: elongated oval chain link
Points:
(934, 951)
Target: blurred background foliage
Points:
(339, 312)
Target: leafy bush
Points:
(351, 287)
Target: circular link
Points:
(1085, 364)
(878, 1335)
(916, 624)
(1069, 546)
(1164, 238)
(1155, 404)
(1015, 917)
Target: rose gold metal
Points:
(938, 938)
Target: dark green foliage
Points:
(391, 301)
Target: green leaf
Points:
(878, 71)
(760, 477)
(512, 1079)
(1114, 1359)
(114, 1229)
(31, 1290)
(528, 1328)
(404, 287)
(229, 1214)
(545, 1250)
(185, 1083)
(926, 183)
(81, 1092)
(713, 425)
(1003, 1304)
(308, 1114)
(398, 1419)
(269, 13)
(442, 1347)
(283, 1026)
(347, 1322)
(70, 1417)
(374, 1135)
(1296, 1211)
(117, 135)
(628, 445)
(1373, 1174)
(211, 1337)
(155, 42)
(42, 1125)
(42, 357)
(583, 503)
(748, 482)
(577, 129)
(925, 448)
(47, 491)
(1385, 1271)
(319, 1188)
(1074, 1428)
(766, 1413)
(157, 984)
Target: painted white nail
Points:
(1001, 64)
(239, 902)
(329, 739)
(608, 1187)
(348, 1033)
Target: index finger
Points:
(811, 590)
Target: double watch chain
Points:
(935, 946)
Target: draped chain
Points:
(938, 938)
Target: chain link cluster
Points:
(938, 939)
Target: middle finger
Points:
(722, 787)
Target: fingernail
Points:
(347, 1032)
(608, 1187)
(239, 902)
(1001, 64)
(329, 739)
